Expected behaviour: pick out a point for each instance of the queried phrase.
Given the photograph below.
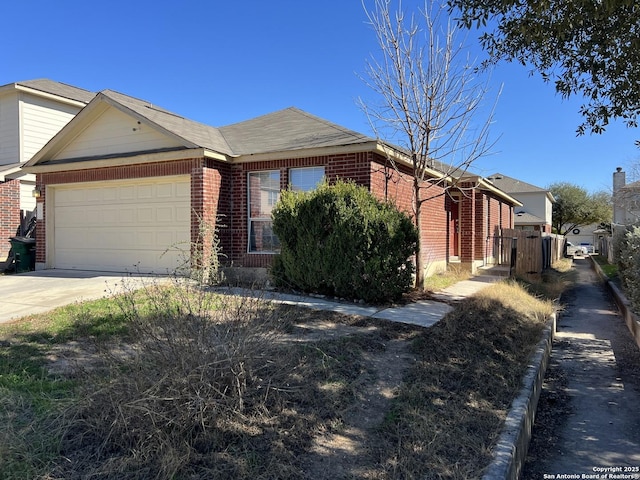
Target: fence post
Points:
(514, 256)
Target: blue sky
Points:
(220, 62)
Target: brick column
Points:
(9, 214)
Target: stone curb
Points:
(510, 451)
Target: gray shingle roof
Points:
(632, 186)
(285, 130)
(288, 129)
(525, 218)
(60, 89)
(512, 185)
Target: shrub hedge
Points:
(626, 252)
(340, 240)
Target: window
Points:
(263, 190)
(305, 179)
(264, 193)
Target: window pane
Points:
(264, 192)
(262, 238)
(305, 179)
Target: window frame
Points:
(300, 169)
(251, 219)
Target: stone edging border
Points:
(511, 449)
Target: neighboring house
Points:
(626, 199)
(537, 203)
(125, 180)
(588, 235)
(31, 113)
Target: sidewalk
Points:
(424, 313)
(595, 351)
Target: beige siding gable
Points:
(41, 119)
(9, 130)
(115, 132)
(27, 202)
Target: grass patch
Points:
(443, 280)
(610, 270)
(554, 281)
(177, 382)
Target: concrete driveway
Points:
(36, 292)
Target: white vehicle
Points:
(573, 250)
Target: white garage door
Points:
(138, 225)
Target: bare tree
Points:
(430, 97)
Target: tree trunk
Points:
(420, 277)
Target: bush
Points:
(626, 248)
(340, 240)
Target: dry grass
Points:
(206, 387)
(450, 410)
(443, 280)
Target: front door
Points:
(454, 229)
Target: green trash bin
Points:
(24, 251)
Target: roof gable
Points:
(114, 123)
(114, 132)
(195, 134)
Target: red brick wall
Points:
(395, 183)
(499, 216)
(355, 166)
(481, 229)
(508, 217)
(210, 204)
(468, 213)
(219, 192)
(9, 214)
(483, 214)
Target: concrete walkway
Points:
(594, 349)
(37, 292)
(424, 313)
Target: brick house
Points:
(31, 113)
(125, 180)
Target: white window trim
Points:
(300, 169)
(251, 219)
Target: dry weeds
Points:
(242, 389)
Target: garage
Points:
(135, 225)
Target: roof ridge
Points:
(145, 103)
(58, 89)
(44, 79)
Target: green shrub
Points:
(340, 240)
(626, 247)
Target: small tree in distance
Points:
(429, 100)
(575, 207)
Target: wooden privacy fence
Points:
(526, 252)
